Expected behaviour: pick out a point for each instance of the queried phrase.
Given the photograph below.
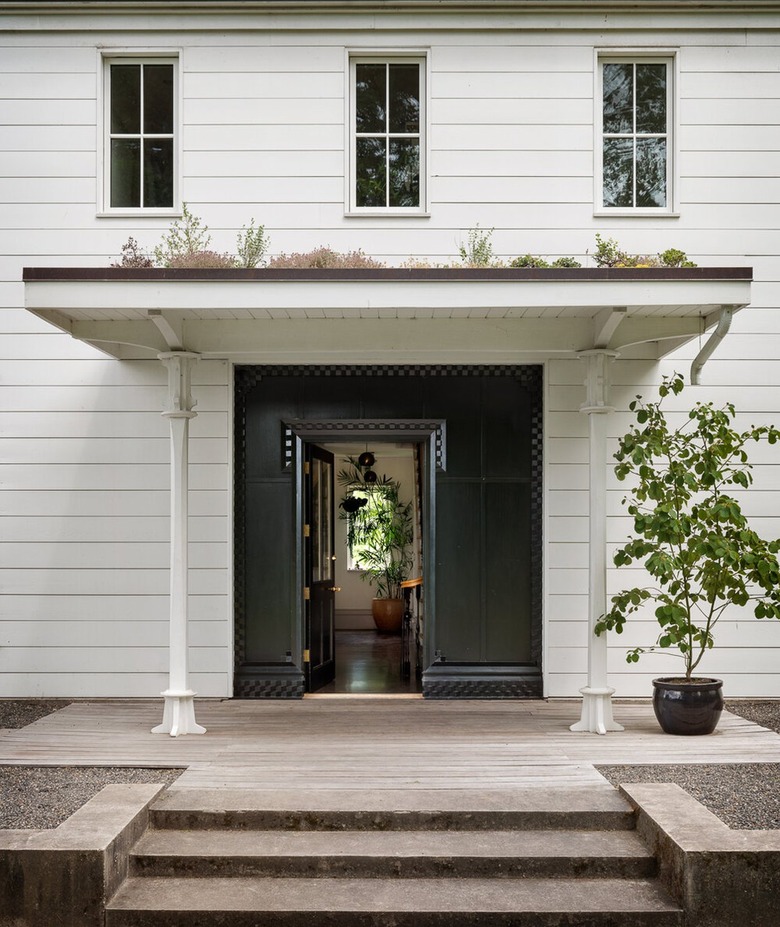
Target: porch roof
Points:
(361, 315)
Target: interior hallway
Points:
(369, 663)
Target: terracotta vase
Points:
(388, 615)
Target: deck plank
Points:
(375, 743)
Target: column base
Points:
(178, 714)
(596, 715)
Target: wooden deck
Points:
(375, 743)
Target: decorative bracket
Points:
(597, 380)
(179, 402)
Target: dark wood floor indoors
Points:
(368, 663)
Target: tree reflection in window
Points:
(635, 134)
(387, 134)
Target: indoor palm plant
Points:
(380, 535)
(694, 541)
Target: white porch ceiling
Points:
(447, 315)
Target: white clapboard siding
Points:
(256, 136)
(68, 608)
(246, 88)
(106, 556)
(510, 84)
(104, 372)
(108, 582)
(100, 633)
(562, 607)
(95, 682)
(88, 476)
(255, 57)
(110, 450)
(273, 163)
(108, 658)
(121, 398)
(84, 501)
(116, 503)
(105, 424)
(73, 529)
(510, 189)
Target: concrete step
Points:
(583, 808)
(398, 854)
(475, 902)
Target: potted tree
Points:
(695, 543)
(380, 535)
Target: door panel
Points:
(320, 568)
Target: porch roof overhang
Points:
(449, 315)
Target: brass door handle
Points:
(334, 588)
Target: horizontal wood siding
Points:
(83, 476)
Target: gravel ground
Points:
(42, 797)
(745, 796)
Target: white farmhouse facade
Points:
(393, 128)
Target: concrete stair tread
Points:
(571, 809)
(419, 896)
(481, 843)
(580, 799)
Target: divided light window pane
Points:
(141, 127)
(635, 134)
(387, 135)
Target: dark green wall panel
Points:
(458, 570)
(487, 501)
(269, 571)
(507, 565)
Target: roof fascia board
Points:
(401, 293)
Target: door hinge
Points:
(307, 468)
(307, 531)
(307, 656)
(306, 593)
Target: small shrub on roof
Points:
(201, 260)
(325, 257)
(132, 256)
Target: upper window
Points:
(140, 139)
(636, 139)
(387, 144)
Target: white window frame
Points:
(107, 57)
(419, 57)
(669, 57)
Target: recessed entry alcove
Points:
(475, 434)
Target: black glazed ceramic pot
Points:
(687, 707)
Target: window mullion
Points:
(141, 146)
(633, 115)
(387, 135)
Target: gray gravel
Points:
(42, 797)
(19, 712)
(745, 795)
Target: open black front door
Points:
(319, 565)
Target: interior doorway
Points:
(359, 658)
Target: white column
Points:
(596, 715)
(179, 710)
